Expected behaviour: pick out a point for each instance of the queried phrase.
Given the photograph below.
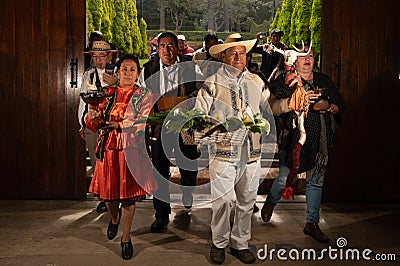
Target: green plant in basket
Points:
(229, 124)
(183, 120)
(257, 124)
(154, 119)
(179, 120)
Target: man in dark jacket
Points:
(167, 76)
(270, 59)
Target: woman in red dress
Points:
(123, 172)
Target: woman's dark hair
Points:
(128, 57)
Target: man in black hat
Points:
(270, 59)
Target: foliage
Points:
(154, 119)
(285, 19)
(305, 23)
(274, 24)
(197, 36)
(96, 10)
(106, 21)
(315, 28)
(119, 27)
(255, 28)
(117, 20)
(133, 28)
(180, 119)
(90, 19)
(293, 21)
(193, 15)
(183, 120)
(143, 33)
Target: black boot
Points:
(266, 211)
(312, 229)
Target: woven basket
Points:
(194, 137)
(168, 103)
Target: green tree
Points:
(285, 19)
(177, 10)
(133, 31)
(293, 21)
(303, 21)
(143, 28)
(96, 9)
(119, 27)
(90, 27)
(117, 20)
(315, 28)
(108, 11)
(274, 24)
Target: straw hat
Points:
(234, 39)
(99, 46)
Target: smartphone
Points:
(264, 35)
(110, 68)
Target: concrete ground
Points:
(59, 232)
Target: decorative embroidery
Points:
(108, 104)
(233, 153)
(137, 99)
(234, 99)
(207, 89)
(255, 153)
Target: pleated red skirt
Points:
(114, 180)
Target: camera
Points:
(110, 68)
(264, 35)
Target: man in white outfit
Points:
(235, 170)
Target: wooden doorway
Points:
(42, 154)
(360, 51)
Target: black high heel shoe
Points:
(112, 229)
(127, 249)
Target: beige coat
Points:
(223, 95)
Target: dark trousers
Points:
(185, 157)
